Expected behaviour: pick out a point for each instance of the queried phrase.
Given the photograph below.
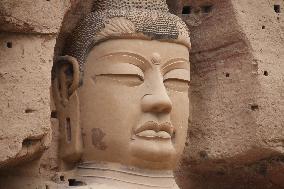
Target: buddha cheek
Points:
(109, 110)
(179, 116)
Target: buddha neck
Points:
(118, 176)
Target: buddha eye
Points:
(177, 80)
(122, 73)
(130, 80)
(176, 84)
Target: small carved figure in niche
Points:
(121, 91)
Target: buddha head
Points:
(121, 86)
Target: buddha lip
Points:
(154, 126)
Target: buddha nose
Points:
(158, 101)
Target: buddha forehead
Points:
(154, 51)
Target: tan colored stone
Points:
(144, 110)
(236, 104)
(25, 79)
(30, 16)
(230, 84)
(123, 105)
(237, 122)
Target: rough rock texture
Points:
(29, 16)
(24, 96)
(29, 42)
(28, 36)
(236, 135)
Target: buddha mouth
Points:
(152, 130)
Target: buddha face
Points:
(134, 104)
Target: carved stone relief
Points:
(121, 92)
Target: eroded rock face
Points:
(27, 38)
(25, 124)
(236, 133)
(42, 17)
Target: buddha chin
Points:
(153, 150)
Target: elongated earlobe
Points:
(66, 76)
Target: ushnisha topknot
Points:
(125, 19)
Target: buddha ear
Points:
(66, 78)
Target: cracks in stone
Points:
(23, 26)
(32, 148)
(216, 52)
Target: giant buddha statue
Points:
(121, 91)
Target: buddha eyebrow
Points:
(177, 63)
(139, 60)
